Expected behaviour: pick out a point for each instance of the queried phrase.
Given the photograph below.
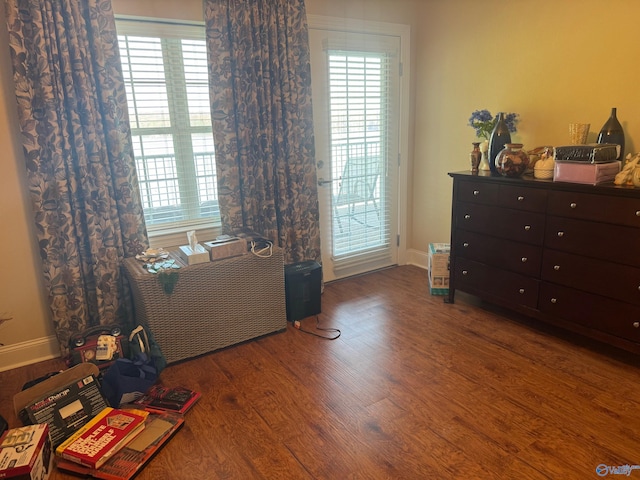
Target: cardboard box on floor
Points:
(65, 401)
(25, 453)
(438, 268)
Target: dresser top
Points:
(607, 188)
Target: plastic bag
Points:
(126, 380)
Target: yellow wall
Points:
(552, 62)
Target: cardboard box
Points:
(193, 256)
(439, 268)
(25, 453)
(225, 249)
(65, 402)
(587, 173)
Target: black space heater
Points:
(303, 285)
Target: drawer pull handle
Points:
(476, 193)
(554, 300)
(467, 216)
(524, 259)
(465, 272)
(520, 198)
(636, 324)
(561, 234)
(638, 213)
(521, 290)
(527, 227)
(557, 267)
(573, 205)
(465, 244)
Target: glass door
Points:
(355, 80)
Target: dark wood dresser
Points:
(564, 253)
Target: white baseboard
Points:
(418, 258)
(26, 353)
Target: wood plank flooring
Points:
(413, 389)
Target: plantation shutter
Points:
(363, 92)
(166, 79)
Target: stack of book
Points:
(128, 461)
(103, 436)
(117, 443)
(589, 164)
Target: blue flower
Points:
(483, 122)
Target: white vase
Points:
(484, 162)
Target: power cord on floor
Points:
(298, 326)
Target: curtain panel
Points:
(79, 158)
(260, 89)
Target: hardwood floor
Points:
(413, 389)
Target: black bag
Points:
(129, 378)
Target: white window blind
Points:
(165, 74)
(361, 153)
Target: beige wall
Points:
(552, 62)
(21, 293)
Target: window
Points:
(166, 79)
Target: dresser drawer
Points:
(510, 287)
(477, 192)
(520, 226)
(608, 279)
(514, 256)
(599, 208)
(600, 313)
(522, 198)
(609, 242)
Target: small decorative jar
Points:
(512, 161)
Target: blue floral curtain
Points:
(79, 158)
(260, 88)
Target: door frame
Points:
(336, 24)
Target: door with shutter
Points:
(356, 102)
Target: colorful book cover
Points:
(103, 436)
(127, 462)
(176, 399)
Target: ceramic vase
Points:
(500, 136)
(611, 132)
(512, 161)
(484, 162)
(475, 156)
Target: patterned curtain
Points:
(260, 82)
(79, 158)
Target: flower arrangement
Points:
(483, 122)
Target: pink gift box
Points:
(588, 173)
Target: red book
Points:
(102, 436)
(126, 463)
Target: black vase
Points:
(611, 132)
(500, 136)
